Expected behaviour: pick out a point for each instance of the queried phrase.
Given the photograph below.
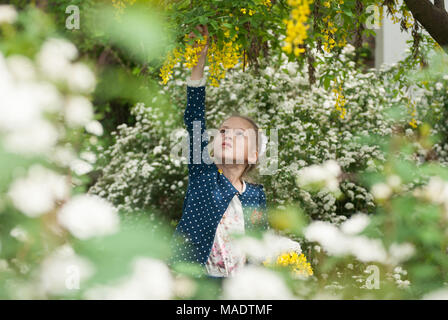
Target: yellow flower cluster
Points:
(191, 53)
(220, 58)
(406, 15)
(296, 27)
(340, 102)
(173, 58)
(267, 3)
(408, 19)
(330, 30)
(251, 12)
(297, 263)
(327, 3)
(380, 15)
(412, 111)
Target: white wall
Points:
(391, 42)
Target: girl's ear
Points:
(252, 157)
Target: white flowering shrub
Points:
(310, 131)
(137, 171)
(56, 241)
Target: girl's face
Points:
(235, 142)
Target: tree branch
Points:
(433, 18)
(440, 4)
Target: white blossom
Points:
(439, 294)
(381, 191)
(329, 237)
(39, 137)
(184, 287)
(87, 216)
(253, 283)
(8, 14)
(80, 167)
(150, 280)
(78, 111)
(157, 149)
(267, 248)
(436, 191)
(62, 156)
(338, 243)
(349, 206)
(23, 103)
(81, 78)
(19, 233)
(21, 68)
(348, 49)
(4, 266)
(356, 224)
(325, 176)
(54, 58)
(394, 181)
(63, 271)
(36, 193)
(94, 127)
(400, 252)
(89, 156)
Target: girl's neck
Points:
(233, 173)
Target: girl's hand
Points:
(204, 32)
(197, 71)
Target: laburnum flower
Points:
(296, 262)
(296, 27)
(340, 102)
(220, 56)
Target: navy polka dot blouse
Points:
(209, 192)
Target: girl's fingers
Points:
(203, 29)
(192, 34)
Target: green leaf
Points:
(183, 4)
(203, 19)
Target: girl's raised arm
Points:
(194, 116)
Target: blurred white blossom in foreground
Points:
(54, 60)
(63, 271)
(256, 282)
(435, 191)
(87, 216)
(150, 279)
(320, 177)
(8, 14)
(80, 167)
(20, 234)
(36, 193)
(94, 127)
(22, 106)
(184, 287)
(440, 294)
(356, 224)
(29, 91)
(383, 190)
(346, 241)
(267, 248)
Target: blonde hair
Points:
(250, 166)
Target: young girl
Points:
(218, 202)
